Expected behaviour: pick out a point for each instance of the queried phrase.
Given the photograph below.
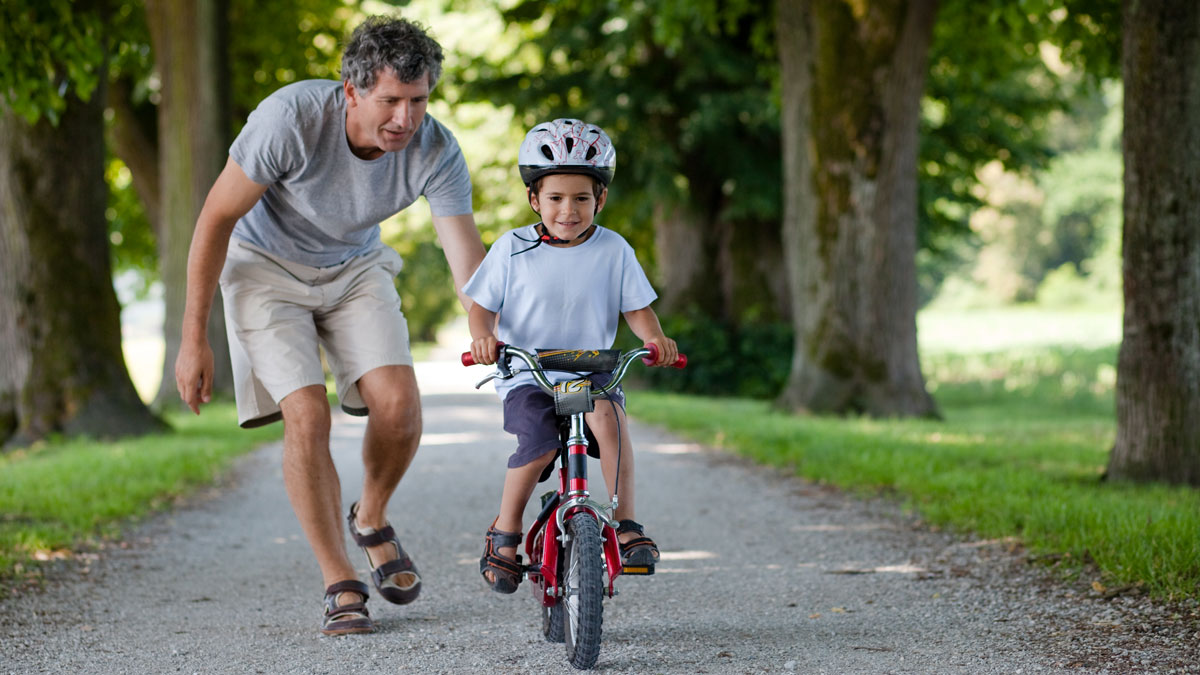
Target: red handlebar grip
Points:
(468, 360)
(652, 358)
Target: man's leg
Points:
(312, 481)
(393, 433)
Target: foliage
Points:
(1021, 452)
(682, 96)
(749, 359)
(49, 48)
(62, 496)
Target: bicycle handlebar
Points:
(648, 354)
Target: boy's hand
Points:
(668, 351)
(485, 349)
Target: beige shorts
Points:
(277, 313)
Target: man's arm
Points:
(464, 249)
(231, 196)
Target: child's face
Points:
(567, 204)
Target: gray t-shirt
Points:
(559, 298)
(324, 204)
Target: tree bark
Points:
(193, 129)
(1158, 368)
(852, 75)
(60, 337)
(135, 141)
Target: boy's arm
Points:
(482, 323)
(644, 324)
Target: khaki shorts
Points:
(277, 313)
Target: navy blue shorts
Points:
(529, 415)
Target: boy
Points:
(561, 283)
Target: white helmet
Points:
(567, 146)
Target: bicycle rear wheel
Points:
(583, 590)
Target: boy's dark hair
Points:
(597, 185)
(385, 42)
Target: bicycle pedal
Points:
(638, 570)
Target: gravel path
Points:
(761, 573)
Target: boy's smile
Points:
(567, 204)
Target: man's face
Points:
(386, 118)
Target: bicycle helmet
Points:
(567, 146)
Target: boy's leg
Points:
(604, 423)
(312, 481)
(518, 487)
(389, 444)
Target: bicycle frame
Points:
(572, 496)
(572, 531)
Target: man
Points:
(290, 231)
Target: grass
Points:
(60, 497)
(1020, 453)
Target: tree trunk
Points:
(852, 106)
(1158, 369)
(729, 271)
(193, 129)
(60, 337)
(135, 141)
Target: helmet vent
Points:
(570, 143)
(547, 152)
(591, 152)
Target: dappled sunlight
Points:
(458, 438)
(828, 527)
(674, 448)
(671, 556)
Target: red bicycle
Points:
(572, 545)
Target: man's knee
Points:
(392, 398)
(306, 414)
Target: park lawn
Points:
(59, 498)
(1020, 453)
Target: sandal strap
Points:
(500, 538)
(348, 586)
(630, 526)
(333, 611)
(387, 569)
(638, 542)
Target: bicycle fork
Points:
(572, 500)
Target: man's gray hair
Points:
(382, 42)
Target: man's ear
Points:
(351, 93)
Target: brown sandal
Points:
(383, 575)
(641, 551)
(349, 618)
(506, 572)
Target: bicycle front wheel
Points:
(583, 590)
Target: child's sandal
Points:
(639, 551)
(506, 572)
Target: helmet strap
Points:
(546, 238)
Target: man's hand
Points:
(194, 374)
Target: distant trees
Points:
(60, 338)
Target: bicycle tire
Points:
(583, 590)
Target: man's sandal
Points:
(640, 551)
(506, 572)
(348, 618)
(384, 575)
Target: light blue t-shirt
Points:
(559, 298)
(324, 204)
